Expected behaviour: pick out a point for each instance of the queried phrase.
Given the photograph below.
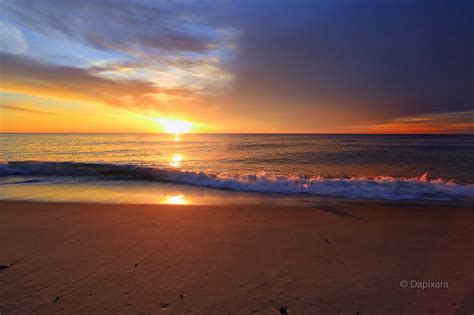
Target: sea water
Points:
(156, 167)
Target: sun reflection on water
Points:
(176, 160)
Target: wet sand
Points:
(344, 259)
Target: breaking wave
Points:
(379, 187)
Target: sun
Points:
(175, 200)
(175, 126)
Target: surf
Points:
(375, 187)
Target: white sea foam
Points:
(380, 187)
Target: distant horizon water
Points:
(245, 133)
(378, 166)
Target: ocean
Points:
(201, 168)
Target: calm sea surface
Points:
(368, 166)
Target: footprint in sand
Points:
(5, 266)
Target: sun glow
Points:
(176, 200)
(175, 126)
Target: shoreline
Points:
(35, 189)
(327, 258)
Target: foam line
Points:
(379, 187)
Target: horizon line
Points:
(239, 133)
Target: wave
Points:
(379, 187)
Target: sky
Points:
(341, 66)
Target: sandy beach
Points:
(344, 259)
(236, 157)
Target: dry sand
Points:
(346, 259)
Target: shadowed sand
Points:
(345, 259)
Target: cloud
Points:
(22, 75)
(381, 59)
(323, 64)
(173, 44)
(25, 109)
(11, 39)
(202, 73)
(452, 122)
(119, 25)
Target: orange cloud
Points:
(20, 75)
(27, 109)
(458, 122)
